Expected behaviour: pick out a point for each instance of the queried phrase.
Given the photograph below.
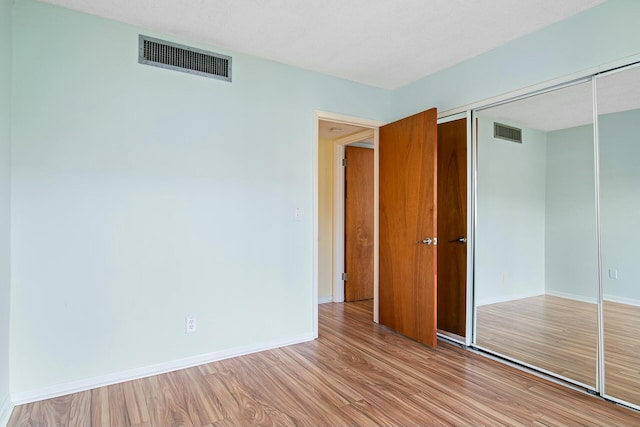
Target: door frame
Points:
(339, 144)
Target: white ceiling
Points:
(572, 106)
(559, 109)
(384, 43)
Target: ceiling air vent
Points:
(160, 53)
(507, 132)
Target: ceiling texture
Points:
(333, 130)
(383, 43)
(573, 105)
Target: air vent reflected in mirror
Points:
(508, 133)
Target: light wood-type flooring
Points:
(556, 334)
(356, 373)
(622, 351)
(561, 336)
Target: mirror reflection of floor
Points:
(560, 335)
(556, 334)
(622, 351)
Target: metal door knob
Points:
(428, 241)
(460, 239)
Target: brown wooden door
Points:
(452, 227)
(358, 224)
(408, 191)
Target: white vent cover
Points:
(508, 133)
(173, 56)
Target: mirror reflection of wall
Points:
(536, 282)
(618, 97)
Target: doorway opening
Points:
(334, 133)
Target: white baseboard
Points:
(593, 300)
(134, 374)
(622, 300)
(506, 298)
(574, 297)
(324, 300)
(5, 411)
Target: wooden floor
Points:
(561, 336)
(556, 334)
(356, 373)
(622, 351)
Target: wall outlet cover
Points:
(189, 324)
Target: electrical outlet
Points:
(189, 324)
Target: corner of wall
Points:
(6, 408)
(6, 71)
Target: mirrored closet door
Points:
(618, 104)
(536, 276)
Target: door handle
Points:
(460, 239)
(428, 241)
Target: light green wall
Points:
(142, 195)
(570, 235)
(605, 33)
(620, 204)
(598, 36)
(510, 248)
(571, 229)
(5, 177)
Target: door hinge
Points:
(344, 162)
(344, 276)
